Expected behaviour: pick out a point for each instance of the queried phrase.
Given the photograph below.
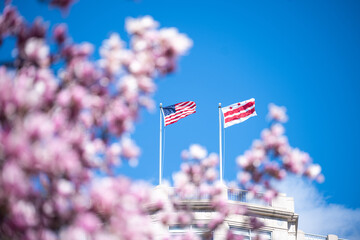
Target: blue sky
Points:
(304, 55)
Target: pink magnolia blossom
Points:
(113, 54)
(63, 134)
(197, 152)
(88, 221)
(277, 113)
(129, 149)
(272, 158)
(140, 25)
(60, 33)
(37, 51)
(64, 4)
(59, 130)
(179, 43)
(313, 171)
(23, 214)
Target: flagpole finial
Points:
(160, 105)
(219, 105)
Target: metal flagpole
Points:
(160, 150)
(220, 145)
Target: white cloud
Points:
(316, 215)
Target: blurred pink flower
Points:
(129, 149)
(140, 25)
(65, 188)
(37, 51)
(103, 196)
(14, 180)
(313, 171)
(74, 233)
(64, 4)
(197, 152)
(23, 214)
(88, 222)
(178, 42)
(60, 33)
(277, 113)
(112, 53)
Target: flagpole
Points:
(220, 145)
(160, 150)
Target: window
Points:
(179, 230)
(249, 234)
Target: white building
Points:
(279, 217)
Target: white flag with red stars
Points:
(238, 112)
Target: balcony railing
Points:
(238, 195)
(244, 196)
(232, 195)
(309, 236)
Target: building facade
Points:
(279, 217)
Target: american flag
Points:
(177, 111)
(238, 112)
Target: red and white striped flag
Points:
(238, 112)
(177, 111)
